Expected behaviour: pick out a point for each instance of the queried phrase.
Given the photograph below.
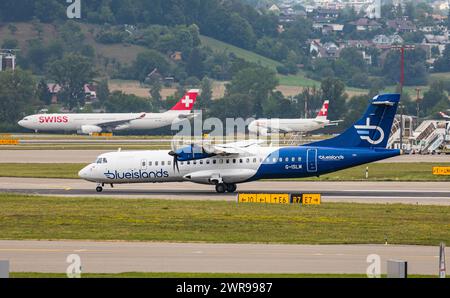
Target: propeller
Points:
(175, 160)
(175, 155)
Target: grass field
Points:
(36, 217)
(220, 46)
(193, 275)
(377, 172)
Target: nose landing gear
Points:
(100, 187)
(226, 187)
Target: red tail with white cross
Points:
(323, 113)
(187, 101)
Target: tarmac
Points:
(117, 257)
(88, 156)
(430, 193)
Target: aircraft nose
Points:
(85, 172)
(21, 123)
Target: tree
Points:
(434, 96)
(103, 90)
(155, 91)
(42, 92)
(448, 20)
(10, 43)
(256, 82)
(333, 90)
(16, 95)
(12, 29)
(72, 72)
(442, 64)
(194, 64)
(48, 11)
(118, 102)
(205, 98)
(148, 61)
(410, 10)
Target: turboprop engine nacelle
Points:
(89, 129)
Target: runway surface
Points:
(116, 257)
(88, 156)
(435, 193)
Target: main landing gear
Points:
(226, 187)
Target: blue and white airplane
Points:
(227, 165)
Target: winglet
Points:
(187, 101)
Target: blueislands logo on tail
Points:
(372, 130)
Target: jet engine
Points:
(89, 129)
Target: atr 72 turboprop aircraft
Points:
(98, 122)
(275, 125)
(227, 165)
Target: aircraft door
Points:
(311, 160)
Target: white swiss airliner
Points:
(277, 125)
(98, 122)
(226, 165)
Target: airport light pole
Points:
(402, 49)
(418, 102)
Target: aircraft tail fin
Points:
(372, 130)
(323, 113)
(187, 101)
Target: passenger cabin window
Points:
(143, 163)
(150, 163)
(214, 161)
(156, 163)
(228, 161)
(169, 163)
(162, 163)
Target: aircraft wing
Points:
(119, 122)
(236, 148)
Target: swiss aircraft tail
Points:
(372, 130)
(187, 101)
(323, 113)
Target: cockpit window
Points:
(101, 160)
(25, 119)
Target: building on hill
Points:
(328, 50)
(382, 41)
(365, 24)
(401, 25)
(325, 15)
(7, 60)
(90, 92)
